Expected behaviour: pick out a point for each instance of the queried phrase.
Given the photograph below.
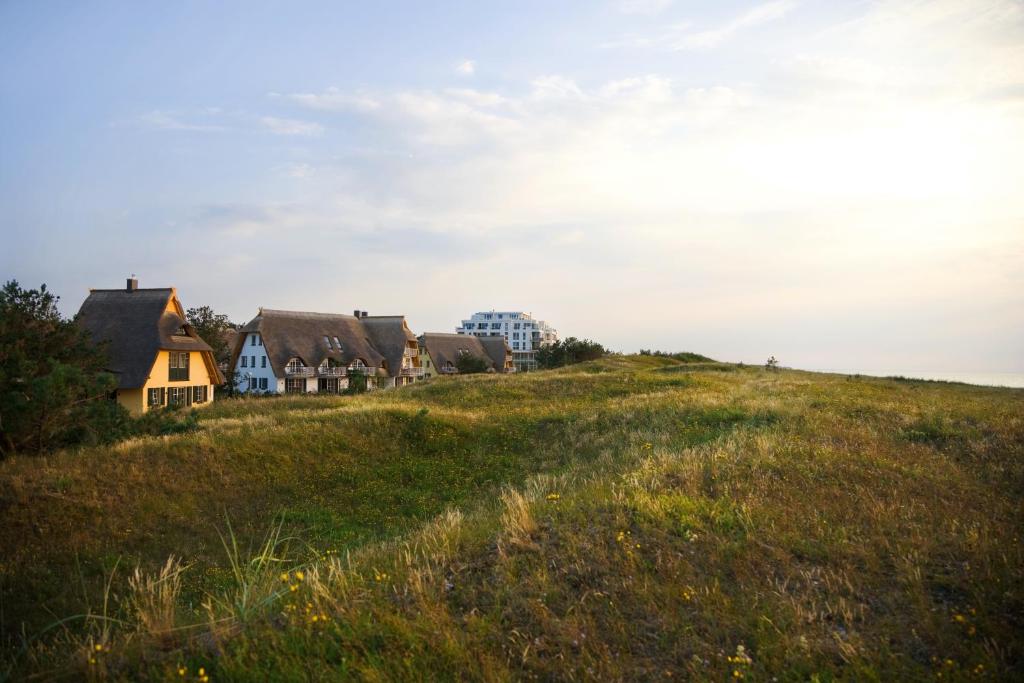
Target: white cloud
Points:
(466, 68)
(643, 6)
(760, 14)
(173, 120)
(280, 126)
(332, 99)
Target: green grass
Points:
(631, 518)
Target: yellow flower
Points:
(99, 648)
(182, 671)
(202, 671)
(284, 577)
(299, 576)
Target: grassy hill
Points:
(633, 518)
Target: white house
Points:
(299, 352)
(522, 331)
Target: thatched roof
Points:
(444, 348)
(390, 335)
(497, 349)
(297, 334)
(136, 325)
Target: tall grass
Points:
(611, 521)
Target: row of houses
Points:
(160, 360)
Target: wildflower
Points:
(99, 647)
(736, 673)
(299, 576)
(293, 587)
(553, 496)
(92, 660)
(284, 577)
(182, 671)
(959, 618)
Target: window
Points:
(500, 316)
(327, 341)
(294, 386)
(263, 362)
(253, 384)
(259, 341)
(495, 326)
(156, 397)
(199, 394)
(177, 396)
(252, 361)
(245, 360)
(337, 344)
(517, 326)
(295, 364)
(469, 326)
(252, 340)
(178, 362)
(263, 382)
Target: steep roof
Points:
(136, 325)
(497, 349)
(291, 334)
(444, 347)
(389, 335)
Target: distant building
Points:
(522, 331)
(157, 357)
(440, 353)
(299, 352)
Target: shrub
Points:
(468, 364)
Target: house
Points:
(524, 333)
(157, 357)
(391, 336)
(298, 352)
(440, 353)
(499, 352)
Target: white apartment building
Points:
(523, 333)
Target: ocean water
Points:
(992, 379)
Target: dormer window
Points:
(337, 344)
(295, 364)
(327, 342)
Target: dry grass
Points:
(652, 522)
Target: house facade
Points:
(440, 353)
(158, 358)
(282, 352)
(524, 334)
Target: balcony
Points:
(412, 372)
(299, 372)
(331, 371)
(362, 370)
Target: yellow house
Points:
(158, 358)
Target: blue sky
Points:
(834, 183)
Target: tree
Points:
(214, 328)
(54, 390)
(568, 351)
(468, 364)
(771, 364)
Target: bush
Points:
(684, 356)
(568, 351)
(468, 364)
(54, 391)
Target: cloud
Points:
(291, 126)
(760, 14)
(466, 68)
(332, 99)
(643, 6)
(173, 120)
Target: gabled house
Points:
(440, 353)
(298, 352)
(500, 353)
(391, 336)
(158, 358)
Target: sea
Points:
(991, 379)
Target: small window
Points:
(327, 342)
(178, 366)
(252, 341)
(245, 361)
(199, 394)
(295, 364)
(337, 344)
(263, 362)
(252, 361)
(176, 396)
(156, 397)
(263, 383)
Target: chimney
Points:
(355, 313)
(133, 284)
(364, 314)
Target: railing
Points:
(412, 372)
(299, 372)
(331, 371)
(362, 370)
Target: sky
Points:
(839, 184)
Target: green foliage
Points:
(684, 356)
(771, 364)
(568, 352)
(214, 328)
(468, 364)
(606, 521)
(53, 390)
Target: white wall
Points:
(260, 353)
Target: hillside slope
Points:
(634, 518)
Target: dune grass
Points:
(632, 518)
